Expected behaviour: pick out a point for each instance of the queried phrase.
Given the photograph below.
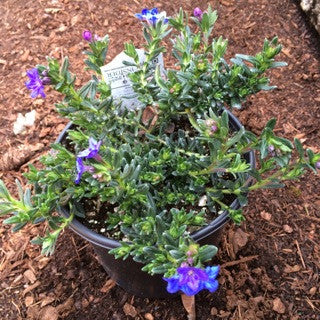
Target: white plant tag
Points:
(116, 73)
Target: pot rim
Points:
(214, 225)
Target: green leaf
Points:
(271, 124)
(299, 147)
(207, 252)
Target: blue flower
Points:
(151, 16)
(92, 151)
(81, 168)
(212, 284)
(191, 280)
(35, 84)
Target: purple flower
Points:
(191, 280)
(197, 12)
(81, 168)
(35, 83)
(318, 165)
(87, 35)
(92, 151)
(151, 16)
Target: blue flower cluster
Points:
(151, 16)
(91, 152)
(191, 280)
(35, 83)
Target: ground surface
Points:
(270, 266)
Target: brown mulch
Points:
(270, 265)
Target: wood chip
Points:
(291, 269)
(130, 310)
(190, 305)
(240, 238)
(52, 10)
(312, 291)
(287, 228)
(49, 313)
(149, 115)
(66, 306)
(108, 286)
(46, 301)
(29, 275)
(43, 262)
(15, 157)
(30, 288)
(25, 55)
(28, 301)
(214, 311)
(149, 316)
(75, 20)
(265, 215)
(278, 306)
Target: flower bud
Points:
(190, 261)
(193, 249)
(197, 12)
(45, 80)
(210, 122)
(271, 150)
(87, 35)
(318, 165)
(214, 128)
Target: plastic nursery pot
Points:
(127, 273)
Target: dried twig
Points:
(242, 260)
(300, 254)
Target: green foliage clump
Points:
(168, 167)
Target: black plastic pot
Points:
(127, 273)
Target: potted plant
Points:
(155, 182)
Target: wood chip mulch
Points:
(270, 264)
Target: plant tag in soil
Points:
(116, 73)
